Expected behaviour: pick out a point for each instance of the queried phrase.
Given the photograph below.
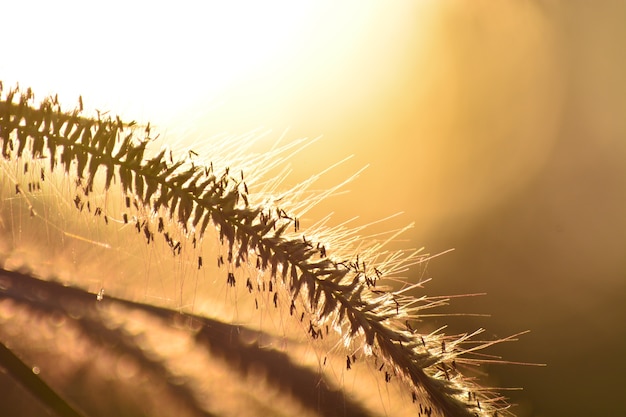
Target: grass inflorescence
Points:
(322, 277)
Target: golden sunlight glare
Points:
(495, 127)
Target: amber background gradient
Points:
(498, 127)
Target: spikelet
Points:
(328, 275)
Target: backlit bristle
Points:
(215, 218)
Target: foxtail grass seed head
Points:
(224, 219)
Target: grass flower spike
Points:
(223, 213)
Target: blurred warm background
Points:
(499, 128)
